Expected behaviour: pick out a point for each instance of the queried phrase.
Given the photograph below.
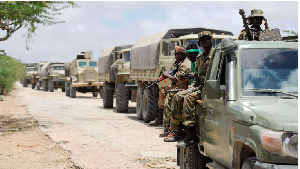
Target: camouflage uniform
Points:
(254, 32)
(167, 93)
(183, 103)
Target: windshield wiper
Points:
(271, 91)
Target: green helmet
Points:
(204, 33)
(256, 13)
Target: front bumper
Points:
(58, 80)
(87, 84)
(262, 165)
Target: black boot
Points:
(158, 120)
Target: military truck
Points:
(248, 117)
(108, 70)
(35, 77)
(82, 75)
(150, 57)
(56, 74)
(29, 71)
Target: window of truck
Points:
(126, 57)
(271, 69)
(82, 64)
(58, 68)
(31, 69)
(93, 64)
(168, 48)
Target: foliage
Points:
(17, 14)
(11, 70)
(290, 32)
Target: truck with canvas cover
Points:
(108, 69)
(57, 78)
(30, 70)
(48, 76)
(248, 117)
(82, 75)
(150, 57)
(35, 77)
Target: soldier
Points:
(178, 81)
(255, 19)
(183, 103)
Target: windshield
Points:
(93, 64)
(31, 69)
(216, 42)
(275, 69)
(58, 68)
(126, 57)
(82, 64)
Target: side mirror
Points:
(212, 89)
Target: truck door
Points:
(216, 129)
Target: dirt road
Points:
(89, 135)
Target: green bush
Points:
(11, 70)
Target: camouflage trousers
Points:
(183, 108)
(167, 108)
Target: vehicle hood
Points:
(275, 114)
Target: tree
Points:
(17, 14)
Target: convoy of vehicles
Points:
(82, 75)
(249, 118)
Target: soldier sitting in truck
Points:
(185, 114)
(192, 51)
(179, 82)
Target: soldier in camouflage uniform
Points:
(183, 103)
(180, 83)
(255, 19)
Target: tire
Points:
(45, 85)
(150, 104)
(108, 95)
(67, 69)
(72, 91)
(25, 83)
(38, 85)
(192, 157)
(249, 163)
(51, 85)
(95, 94)
(139, 102)
(67, 89)
(32, 86)
(122, 98)
(63, 90)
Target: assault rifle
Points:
(161, 78)
(245, 25)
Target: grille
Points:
(89, 76)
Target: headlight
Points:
(284, 144)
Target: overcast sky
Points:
(99, 25)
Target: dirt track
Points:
(49, 130)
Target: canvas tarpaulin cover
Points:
(108, 57)
(144, 53)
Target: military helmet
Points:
(204, 33)
(256, 13)
(179, 49)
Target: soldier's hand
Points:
(266, 24)
(166, 75)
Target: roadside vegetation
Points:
(11, 70)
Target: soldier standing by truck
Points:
(255, 19)
(186, 113)
(179, 82)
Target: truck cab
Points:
(249, 115)
(56, 77)
(30, 70)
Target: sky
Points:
(100, 25)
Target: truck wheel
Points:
(32, 86)
(150, 104)
(25, 83)
(249, 163)
(38, 85)
(139, 102)
(51, 85)
(192, 157)
(67, 88)
(108, 96)
(63, 90)
(95, 94)
(43, 85)
(122, 98)
(72, 91)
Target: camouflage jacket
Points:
(254, 34)
(184, 68)
(200, 67)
